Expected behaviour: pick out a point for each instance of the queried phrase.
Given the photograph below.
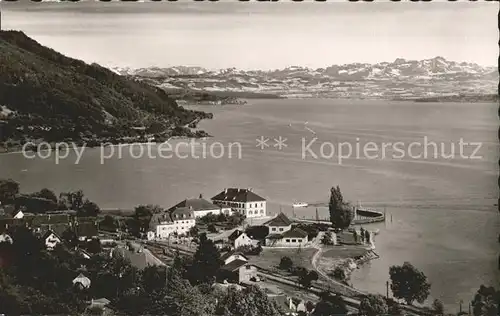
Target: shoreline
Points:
(18, 150)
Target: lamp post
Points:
(387, 289)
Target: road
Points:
(351, 301)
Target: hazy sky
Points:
(260, 35)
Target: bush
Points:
(285, 263)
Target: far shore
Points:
(18, 149)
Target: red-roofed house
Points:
(244, 201)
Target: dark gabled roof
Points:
(295, 232)
(6, 223)
(86, 229)
(138, 259)
(237, 233)
(158, 219)
(230, 253)
(38, 220)
(234, 265)
(180, 213)
(58, 229)
(50, 232)
(10, 210)
(199, 204)
(237, 195)
(280, 220)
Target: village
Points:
(292, 260)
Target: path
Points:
(314, 262)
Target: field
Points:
(270, 258)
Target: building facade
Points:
(202, 207)
(243, 201)
(294, 237)
(279, 224)
(175, 221)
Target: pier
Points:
(362, 216)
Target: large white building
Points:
(244, 201)
(202, 207)
(178, 220)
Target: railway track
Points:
(167, 253)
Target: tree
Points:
(307, 277)
(8, 190)
(211, 228)
(193, 231)
(72, 200)
(285, 263)
(486, 302)
(341, 213)
(47, 194)
(367, 236)
(108, 223)
(94, 246)
(394, 308)
(182, 299)
(339, 274)
(257, 232)
(309, 306)
(247, 302)
(438, 307)
(147, 210)
(408, 283)
(330, 305)
(153, 278)
(327, 239)
(89, 209)
(373, 305)
(206, 262)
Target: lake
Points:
(441, 213)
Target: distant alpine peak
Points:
(399, 68)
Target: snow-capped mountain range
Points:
(398, 79)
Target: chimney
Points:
(201, 196)
(225, 191)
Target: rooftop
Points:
(138, 257)
(199, 204)
(280, 220)
(231, 253)
(234, 265)
(295, 232)
(238, 195)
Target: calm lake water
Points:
(443, 216)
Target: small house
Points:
(232, 256)
(238, 271)
(279, 224)
(239, 238)
(81, 282)
(295, 237)
(51, 239)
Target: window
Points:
(261, 204)
(281, 229)
(287, 240)
(249, 212)
(273, 229)
(248, 267)
(261, 211)
(293, 240)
